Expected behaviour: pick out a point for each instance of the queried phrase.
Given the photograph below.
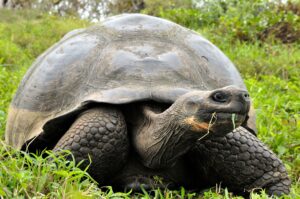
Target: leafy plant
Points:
(260, 19)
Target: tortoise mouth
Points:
(213, 116)
(221, 122)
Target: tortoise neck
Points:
(161, 140)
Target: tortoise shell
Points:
(125, 59)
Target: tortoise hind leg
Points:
(101, 134)
(241, 162)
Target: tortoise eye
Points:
(220, 97)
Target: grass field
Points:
(271, 71)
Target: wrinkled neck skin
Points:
(161, 140)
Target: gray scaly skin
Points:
(101, 134)
(241, 162)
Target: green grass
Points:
(270, 70)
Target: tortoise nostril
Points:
(246, 96)
(220, 97)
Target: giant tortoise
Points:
(144, 99)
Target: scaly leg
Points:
(240, 162)
(101, 134)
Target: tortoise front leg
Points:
(240, 162)
(101, 134)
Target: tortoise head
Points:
(167, 135)
(218, 111)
